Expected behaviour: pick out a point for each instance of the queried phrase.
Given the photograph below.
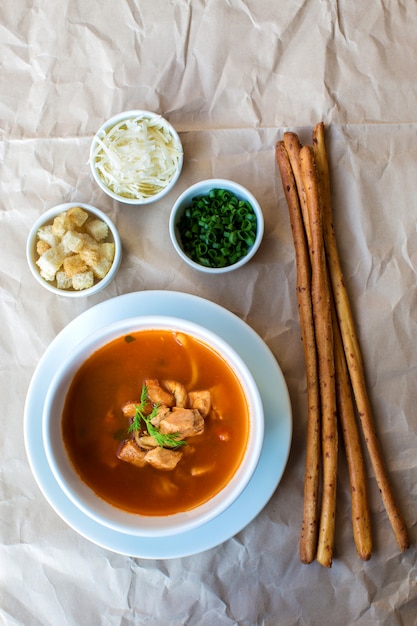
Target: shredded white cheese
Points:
(137, 158)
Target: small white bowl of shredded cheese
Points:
(136, 157)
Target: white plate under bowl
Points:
(274, 394)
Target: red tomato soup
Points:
(95, 427)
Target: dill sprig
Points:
(169, 440)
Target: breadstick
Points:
(293, 146)
(324, 341)
(361, 522)
(308, 540)
(352, 349)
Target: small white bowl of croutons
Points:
(74, 250)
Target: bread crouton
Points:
(41, 247)
(50, 262)
(90, 254)
(72, 241)
(76, 216)
(63, 281)
(60, 225)
(107, 250)
(88, 240)
(83, 280)
(45, 233)
(97, 229)
(101, 268)
(74, 265)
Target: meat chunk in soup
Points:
(162, 412)
(182, 422)
(163, 419)
(179, 392)
(158, 395)
(163, 459)
(146, 442)
(129, 409)
(130, 453)
(200, 400)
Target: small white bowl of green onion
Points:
(216, 226)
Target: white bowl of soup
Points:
(153, 426)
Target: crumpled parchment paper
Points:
(232, 77)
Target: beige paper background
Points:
(232, 76)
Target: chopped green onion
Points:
(217, 229)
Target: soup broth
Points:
(94, 426)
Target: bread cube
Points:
(76, 216)
(89, 240)
(63, 250)
(83, 280)
(102, 267)
(73, 241)
(41, 247)
(60, 225)
(45, 233)
(107, 250)
(97, 229)
(74, 265)
(90, 254)
(63, 281)
(46, 276)
(50, 262)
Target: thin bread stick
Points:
(324, 340)
(352, 349)
(293, 147)
(309, 531)
(361, 522)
